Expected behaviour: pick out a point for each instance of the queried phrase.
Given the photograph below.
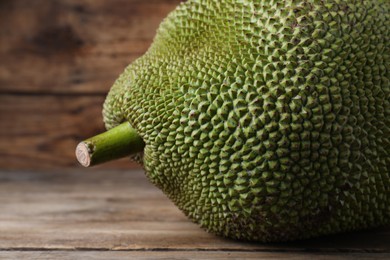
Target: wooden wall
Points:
(58, 60)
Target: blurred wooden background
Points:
(58, 59)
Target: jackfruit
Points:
(266, 120)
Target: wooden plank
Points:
(115, 210)
(99, 255)
(41, 132)
(73, 46)
(91, 209)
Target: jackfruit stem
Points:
(118, 142)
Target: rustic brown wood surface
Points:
(42, 131)
(81, 213)
(73, 46)
(114, 255)
(58, 61)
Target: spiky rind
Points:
(267, 120)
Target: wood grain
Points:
(89, 210)
(58, 61)
(114, 255)
(73, 46)
(42, 131)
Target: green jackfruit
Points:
(266, 120)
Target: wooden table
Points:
(106, 214)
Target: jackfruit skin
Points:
(266, 120)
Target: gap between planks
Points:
(182, 255)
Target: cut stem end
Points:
(118, 142)
(82, 154)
